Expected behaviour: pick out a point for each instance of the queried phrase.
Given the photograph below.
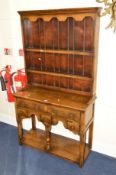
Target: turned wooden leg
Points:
(20, 131)
(82, 140)
(82, 150)
(90, 135)
(45, 118)
(90, 138)
(48, 137)
(33, 122)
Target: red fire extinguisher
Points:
(20, 80)
(11, 82)
(7, 80)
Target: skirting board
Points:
(8, 119)
(103, 148)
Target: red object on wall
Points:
(21, 53)
(6, 51)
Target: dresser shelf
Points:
(72, 52)
(60, 74)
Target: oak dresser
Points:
(60, 52)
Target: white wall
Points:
(105, 114)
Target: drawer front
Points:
(66, 114)
(59, 112)
(26, 104)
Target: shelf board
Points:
(60, 146)
(83, 53)
(60, 75)
(73, 91)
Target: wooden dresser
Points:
(60, 51)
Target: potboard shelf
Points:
(60, 145)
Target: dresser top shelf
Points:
(60, 14)
(61, 11)
(55, 97)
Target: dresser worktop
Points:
(55, 97)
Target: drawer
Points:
(66, 114)
(26, 104)
(60, 112)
